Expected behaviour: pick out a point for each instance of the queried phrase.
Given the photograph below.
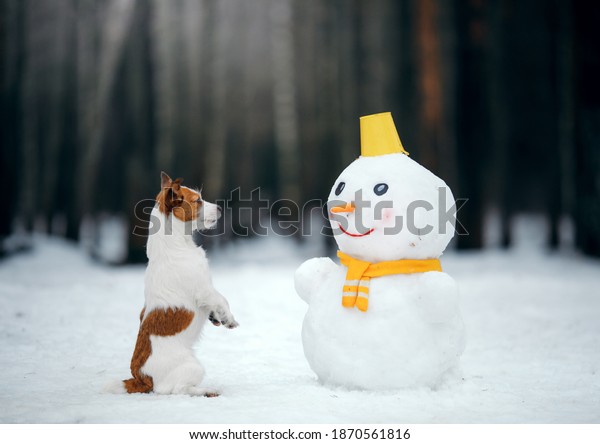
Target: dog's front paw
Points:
(232, 324)
(219, 316)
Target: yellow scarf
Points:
(358, 277)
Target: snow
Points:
(68, 326)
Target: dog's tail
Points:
(135, 385)
(131, 385)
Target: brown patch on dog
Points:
(190, 205)
(159, 322)
(183, 202)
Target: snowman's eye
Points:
(340, 188)
(380, 189)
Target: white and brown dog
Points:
(179, 295)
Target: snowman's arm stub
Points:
(311, 274)
(441, 300)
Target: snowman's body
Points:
(412, 333)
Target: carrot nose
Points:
(348, 208)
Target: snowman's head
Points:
(388, 207)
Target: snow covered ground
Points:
(68, 326)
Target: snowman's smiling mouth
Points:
(355, 235)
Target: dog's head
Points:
(186, 204)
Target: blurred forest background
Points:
(499, 98)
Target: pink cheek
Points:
(385, 219)
(388, 215)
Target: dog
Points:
(179, 296)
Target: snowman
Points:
(387, 317)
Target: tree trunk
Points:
(142, 176)
(284, 98)
(113, 35)
(12, 28)
(472, 118)
(66, 203)
(587, 125)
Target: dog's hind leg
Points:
(185, 379)
(189, 377)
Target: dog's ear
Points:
(170, 192)
(172, 197)
(176, 185)
(165, 180)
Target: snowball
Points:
(408, 220)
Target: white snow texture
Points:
(68, 327)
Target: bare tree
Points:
(116, 23)
(284, 96)
(12, 37)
